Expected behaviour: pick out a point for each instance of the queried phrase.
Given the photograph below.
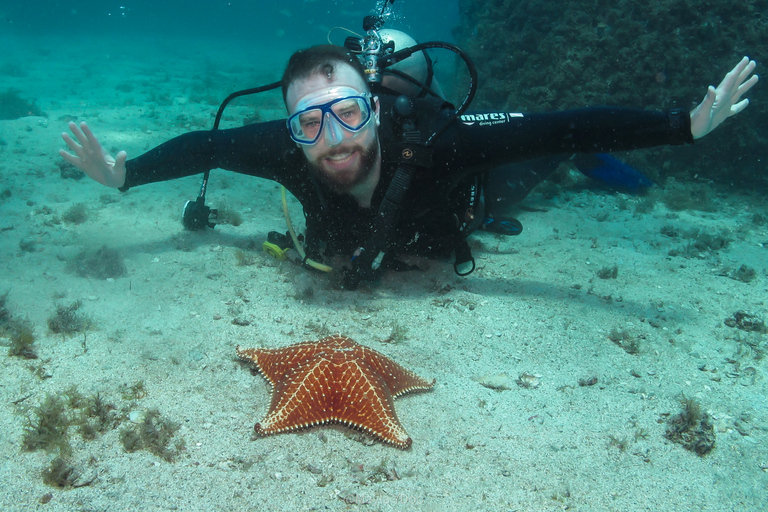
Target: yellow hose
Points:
(296, 244)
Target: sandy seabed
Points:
(608, 356)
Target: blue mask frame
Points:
(327, 112)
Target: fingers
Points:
(736, 83)
(71, 144)
(90, 136)
(748, 84)
(740, 73)
(748, 69)
(739, 106)
(78, 134)
(743, 63)
(730, 77)
(80, 156)
(69, 158)
(743, 88)
(737, 75)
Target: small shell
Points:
(528, 380)
(499, 382)
(137, 417)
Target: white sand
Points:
(534, 305)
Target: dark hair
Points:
(318, 60)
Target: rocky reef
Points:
(541, 55)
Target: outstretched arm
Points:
(263, 150)
(721, 103)
(92, 159)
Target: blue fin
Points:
(612, 172)
(502, 226)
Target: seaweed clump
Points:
(608, 272)
(687, 196)
(626, 340)
(48, 428)
(691, 428)
(62, 473)
(744, 273)
(153, 434)
(13, 106)
(22, 336)
(5, 315)
(228, 215)
(67, 320)
(20, 332)
(104, 263)
(75, 214)
(746, 322)
(48, 425)
(700, 244)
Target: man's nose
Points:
(334, 133)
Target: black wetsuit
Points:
(432, 214)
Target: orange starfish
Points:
(333, 380)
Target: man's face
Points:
(341, 158)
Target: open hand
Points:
(92, 159)
(721, 103)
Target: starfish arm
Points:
(399, 379)
(275, 363)
(366, 403)
(301, 399)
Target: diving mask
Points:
(351, 113)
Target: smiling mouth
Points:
(340, 158)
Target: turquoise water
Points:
(247, 22)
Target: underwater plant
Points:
(13, 106)
(60, 473)
(228, 215)
(75, 214)
(691, 428)
(627, 341)
(608, 272)
(67, 320)
(47, 428)
(747, 322)
(20, 332)
(153, 434)
(104, 263)
(22, 339)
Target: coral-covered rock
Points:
(542, 55)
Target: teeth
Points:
(342, 156)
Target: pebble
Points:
(137, 417)
(499, 381)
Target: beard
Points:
(344, 181)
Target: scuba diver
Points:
(381, 175)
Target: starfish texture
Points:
(333, 380)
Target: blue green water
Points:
(246, 21)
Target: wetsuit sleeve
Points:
(263, 150)
(487, 140)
